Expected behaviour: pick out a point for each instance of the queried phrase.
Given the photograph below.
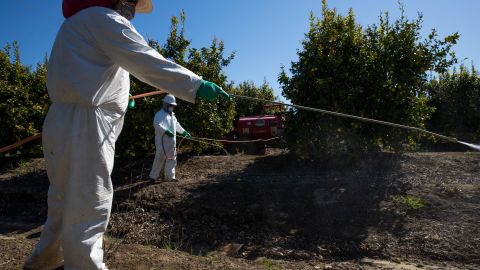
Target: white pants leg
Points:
(170, 169)
(79, 152)
(48, 253)
(169, 145)
(159, 159)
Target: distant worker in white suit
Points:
(166, 126)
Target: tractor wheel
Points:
(251, 148)
(261, 149)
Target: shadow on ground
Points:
(275, 206)
(23, 202)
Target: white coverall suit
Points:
(88, 84)
(166, 151)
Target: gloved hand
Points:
(169, 133)
(209, 91)
(131, 102)
(186, 135)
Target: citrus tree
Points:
(202, 119)
(24, 99)
(456, 98)
(379, 72)
(249, 89)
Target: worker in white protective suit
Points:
(166, 127)
(88, 83)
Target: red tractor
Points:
(267, 128)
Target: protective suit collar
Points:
(71, 7)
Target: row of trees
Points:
(25, 98)
(455, 98)
(210, 119)
(385, 71)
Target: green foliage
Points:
(202, 119)
(376, 72)
(408, 202)
(456, 97)
(268, 264)
(24, 99)
(249, 89)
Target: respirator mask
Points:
(126, 8)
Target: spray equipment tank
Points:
(269, 126)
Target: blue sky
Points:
(264, 33)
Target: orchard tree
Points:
(456, 99)
(377, 72)
(202, 119)
(24, 99)
(249, 89)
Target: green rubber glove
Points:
(169, 133)
(131, 103)
(186, 135)
(209, 91)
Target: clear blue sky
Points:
(264, 33)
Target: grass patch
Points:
(408, 202)
(268, 264)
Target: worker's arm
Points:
(181, 130)
(160, 130)
(160, 125)
(179, 127)
(119, 40)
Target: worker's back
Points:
(80, 71)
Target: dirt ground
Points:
(386, 211)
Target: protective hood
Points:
(71, 7)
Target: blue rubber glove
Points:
(209, 91)
(169, 133)
(186, 135)
(131, 102)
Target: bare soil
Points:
(385, 211)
